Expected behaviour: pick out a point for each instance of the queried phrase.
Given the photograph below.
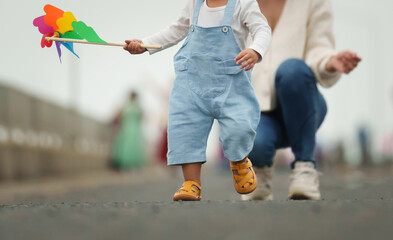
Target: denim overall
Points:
(209, 85)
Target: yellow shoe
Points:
(189, 191)
(244, 177)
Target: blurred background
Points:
(65, 118)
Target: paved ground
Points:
(356, 205)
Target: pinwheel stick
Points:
(95, 43)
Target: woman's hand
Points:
(134, 46)
(248, 58)
(344, 62)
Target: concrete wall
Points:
(39, 139)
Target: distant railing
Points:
(38, 138)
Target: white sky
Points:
(104, 75)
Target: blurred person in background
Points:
(387, 141)
(292, 109)
(162, 148)
(128, 146)
(364, 140)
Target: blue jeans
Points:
(300, 111)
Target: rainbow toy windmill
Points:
(63, 28)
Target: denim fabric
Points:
(301, 110)
(209, 85)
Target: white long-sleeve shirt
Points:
(247, 19)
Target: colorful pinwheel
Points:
(63, 28)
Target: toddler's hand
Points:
(134, 46)
(248, 58)
(344, 62)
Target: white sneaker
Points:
(264, 187)
(304, 182)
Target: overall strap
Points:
(229, 10)
(196, 11)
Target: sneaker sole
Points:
(302, 196)
(256, 198)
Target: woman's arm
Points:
(343, 62)
(320, 54)
(320, 44)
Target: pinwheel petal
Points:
(52, 14)
(70, 47)
(86, 32)
(58, 44)
(71, 35)
(42, 26)
(64, 22)
(45, 43)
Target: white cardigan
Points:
(304, 31)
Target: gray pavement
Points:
(357, 205)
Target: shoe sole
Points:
(268, 198)
(257, 199)
(250, 191)
(184, 197)
(302, 196)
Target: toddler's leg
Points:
(188, 130)
(192, 172)
(191, 188)
(239, 117)
(237, 136)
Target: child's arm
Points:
(260, 32)
(167, 37)
(248, 58)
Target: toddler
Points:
(212, 81)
